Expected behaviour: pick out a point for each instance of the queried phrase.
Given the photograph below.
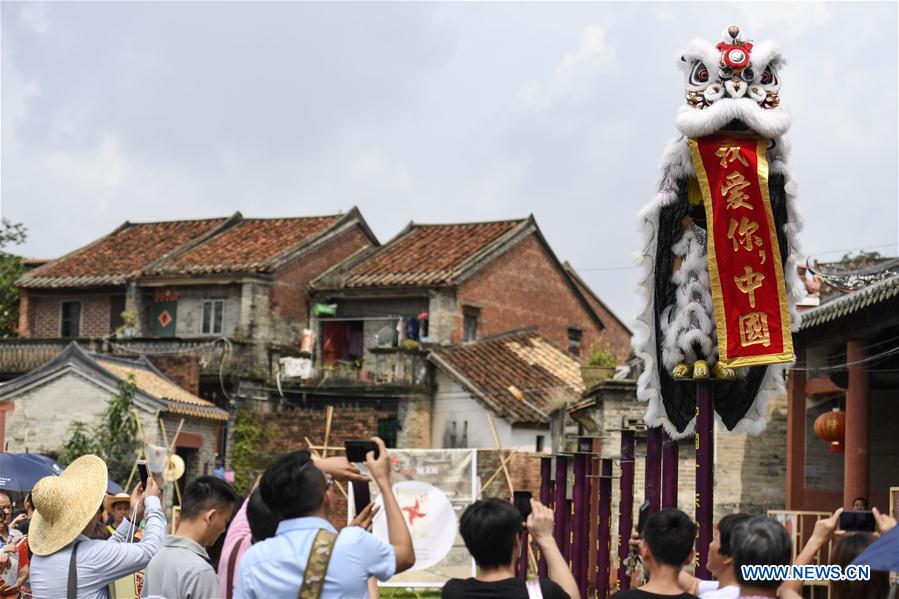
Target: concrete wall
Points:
(189, 317)
(453, 404)
(41, 419)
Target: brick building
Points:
(227, 295)
(380, 314)
(38, 408)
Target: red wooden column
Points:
(855, 460)
(795, 482)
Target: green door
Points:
(164, 314)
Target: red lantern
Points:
(831, 426)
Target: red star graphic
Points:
(413, 513)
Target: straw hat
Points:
(65, 504)
(111, 500)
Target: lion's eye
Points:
(767, 77)
(699, 75)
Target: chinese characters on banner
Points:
(745, 268)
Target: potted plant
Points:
(600, 366)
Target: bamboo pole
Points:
(329, 413)
(499, 469)
(499, 446)
(318, 455)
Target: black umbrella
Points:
(112, 487)
(21, 471)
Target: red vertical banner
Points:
(745, 269)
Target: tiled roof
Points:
(425, 255)
(179, 400)
(249, 246)
(227, 245)
(545, 375)
(111, 260)
(851, 302)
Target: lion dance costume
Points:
(719, 276)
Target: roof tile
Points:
(546, 375)
(426, 254)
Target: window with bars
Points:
(470, 324)
(213, 314)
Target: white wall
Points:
(452, 403)
(43, 415)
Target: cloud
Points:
(34, 17)
(99, 171)
(577, 73)
(795, 19)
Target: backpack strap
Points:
(317, 564)
(229, 569)
(534, 590)
(72, 588)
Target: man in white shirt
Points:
(66, 508)
(720, 563)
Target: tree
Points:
(79, 443)
(10, 269)
(114, 438)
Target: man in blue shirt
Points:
(298, 491)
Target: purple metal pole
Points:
(705, 494)
(546, 497)
(625, 506)
(578, 544)
(669, 472)
(569, 510)
(652, 486)
(604, 530)
(560, 491)
(522, 567)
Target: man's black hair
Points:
(727, 528)
(761, 541)
(292, 486)
(263, 521)
(206, 493)
(489, 528)
(670, 535)
(862, 499)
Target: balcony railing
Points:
(381, 366)
(18, 356)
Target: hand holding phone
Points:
(144, 473)
(857, 521)
(522, 501)
(356, 450)
(642, 517)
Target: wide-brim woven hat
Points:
(111, 500)
(65, 504)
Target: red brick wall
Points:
(288, 301)
(184, 370)
(26, 314)
(94, 315)
(524, 470)
(523, 287)
(285, 431)
(615, 334)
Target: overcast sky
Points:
(424, 112)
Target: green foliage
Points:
(80, 443)
(114, 438)
(117, 434)
(602, 357)
(246, 454)
(10, 269)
